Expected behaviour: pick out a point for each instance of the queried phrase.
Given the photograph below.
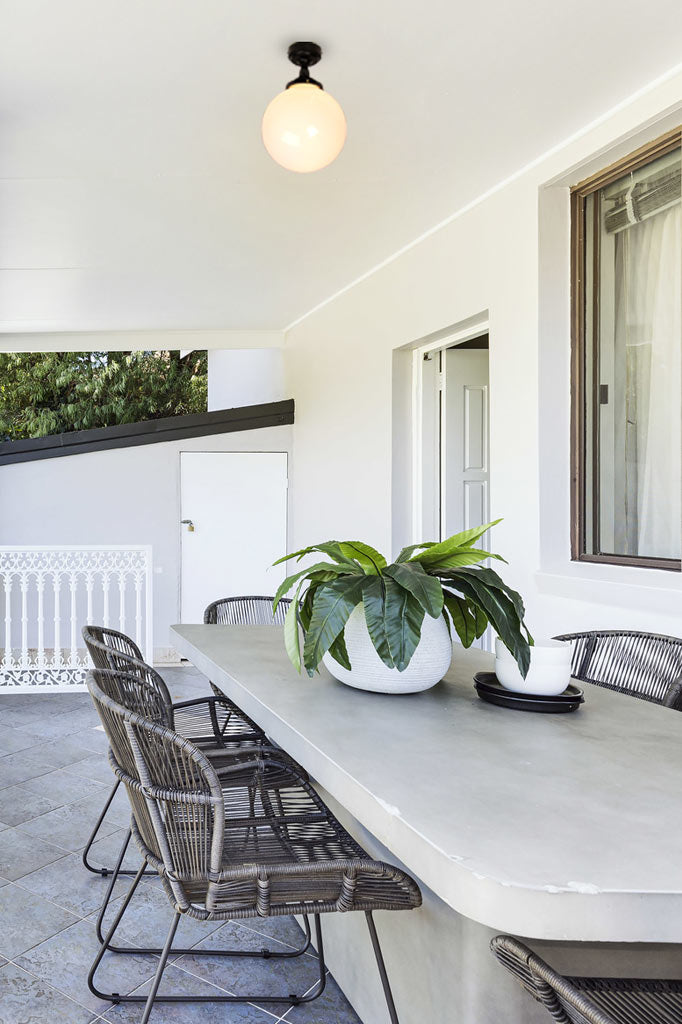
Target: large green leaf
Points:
(465, 556)
(369, 558)
(501, 613)
(339, 651)
(462, 618)
(425, 589)
(403, 618)
(292, 641)
(374, 605)
(453, 544)
(411, 548)
(330, 547)
(490, 578)
(289, 582)
(332, 606)
(481, 620)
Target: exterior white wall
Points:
(506, 256)
(245, 377)
(123, 496)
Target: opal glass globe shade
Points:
(304, 128)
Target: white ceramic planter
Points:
(549, 672)
(428, 664)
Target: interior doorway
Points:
(451, 443)
(452, 460)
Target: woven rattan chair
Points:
(221, 856)
(590, 1000)
(133, 691)
(214, 722)
(246, 611)
(644, 665)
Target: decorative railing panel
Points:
(48, 593)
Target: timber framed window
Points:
(626, 386)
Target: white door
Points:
(465, 460)
(236, 504)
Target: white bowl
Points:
(550, 668)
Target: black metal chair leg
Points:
(149, 1005)
(110, 887)
(93, 835)
(264, 953)
(110, 934)
(382, 968)
(116, 997)
(105, 872)
(322, 980)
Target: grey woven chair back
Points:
(104, 643)
(141, 690)
(184, 806)
(113, 717)
(246, 611)
(645, 665)
(563, 1001)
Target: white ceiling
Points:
(136, 192)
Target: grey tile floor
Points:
(54, 778)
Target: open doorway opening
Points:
(452, 461)
(451, 450)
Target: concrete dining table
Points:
(563, 829)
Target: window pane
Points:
(633, 380)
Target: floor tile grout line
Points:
(62, 850)
(42, 775)
(283, 1018)
(52, 902)
(257, 1006)
(48, 842)
(49, 984)
(61, 808)
(220, 988)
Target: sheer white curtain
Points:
(651, 318)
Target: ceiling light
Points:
(304, 128)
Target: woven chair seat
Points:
(631, 1001)
(571, 1000)
(283, 852)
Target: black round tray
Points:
(490, 689)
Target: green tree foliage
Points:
(45, 393)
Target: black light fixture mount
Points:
(304, 55)
(304, 127)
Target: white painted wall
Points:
(507, 254)
(245, 377)
(124, 496)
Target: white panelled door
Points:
(236, 507)
(466, 460)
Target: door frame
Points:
(455, 337)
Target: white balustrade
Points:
(51, 592)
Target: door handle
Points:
(189, 523)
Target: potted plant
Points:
(388, 627)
